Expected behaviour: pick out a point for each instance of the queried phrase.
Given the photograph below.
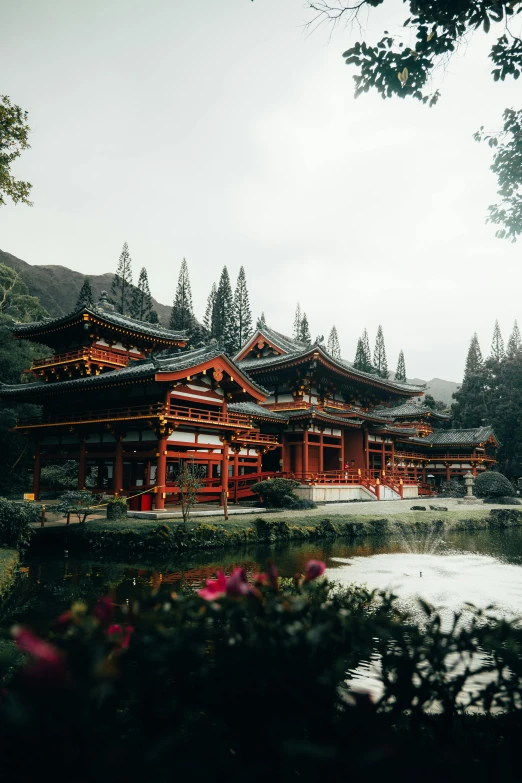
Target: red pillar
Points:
(285, 456)
(321, 452)
(236, 462)
(161, 473)
(383, 457)
(81, 466)
(224, 472)
(447, 471)
(305, 451)
(36, 472)
(117, 475)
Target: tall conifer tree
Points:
(333, 347)
(379, 355)
(367, 352)
(515, 342)
(182, 313)
(242, 313)
(208, 318)
(497, 345)
(122, 282)
(298, 317)
(360, 356)
(223, 313)
(400, 373)
(474, 360)
(141, 298)
(85, 297)
(304, 335)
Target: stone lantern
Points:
(469, 481)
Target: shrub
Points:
(63, 475)
(249, 682)
(492, 484)
(301, 504)
(503, 501)
(454, 488)
(78, 502)
(15, 521)
(277, 492)
(117, 508)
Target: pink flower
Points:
(48, 660)
(314, 568)
(273, 580)
(216, 588)
(103, 610)
(63, 621)
(261, 578)
(114, 630)
(122, 637)
(237, 584)
(126, 639)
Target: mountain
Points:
(57, 287)
(438, 388)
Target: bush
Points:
(117, 508)
(249, 682)
(277, 492)
(492, 484)
(63, 475)
(78, 502)
(454, 488)
(503, 501)
(301, 504)
(15, 521)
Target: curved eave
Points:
(39, 329)
(315, 352)
(222, 362)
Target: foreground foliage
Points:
(248, 680)
(15, 521)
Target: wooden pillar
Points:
(474, 468)
(383, 456)
(236, 462)
(81, 466)
(285, 456)
(415, 471)
(447, 471)
(424, 474)
(117, 474)
(259, 463)
(161, 473)
(321, 452)
(305, 451)
(392, 466)
(36, 471)
(366, 450)
(224, 473)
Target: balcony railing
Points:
(408, 457)
(83, 355)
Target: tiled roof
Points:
(469, 437)
(313, 412)
(286, 344)
(183, 360)
(109, 316)
(256, 411)
(275, 361)
(410, 410)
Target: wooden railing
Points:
(213, 417)
(84, 354)
(256, 437)
(406, 456)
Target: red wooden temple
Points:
(129, 402)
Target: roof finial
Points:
(104, 302)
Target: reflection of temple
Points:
(129, 402)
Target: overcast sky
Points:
(221, 131)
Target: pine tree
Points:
(85, 297)
(367, 352)
(153, 317)
(298, 317)
(182, 313)
(474, 361)
(360, 356)
(379, 355)
(304, 335)
(208, 318)
(497, 345)
(141, 307)
(122, 282)
(261, 321)
(223, 313)
(515, 342)
(333, 347)
(400, 373)
(242, 313)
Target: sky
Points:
(227, 133)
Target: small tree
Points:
(515, 342)
(182, 314)
(14, 134)
(79, 502)
(400, 373)
(189, 483)
(85, 297)
(367, 352)
(304, 335)
(122, 282)
(223, 320)
(333, 347)
(498, 352)
(208, 318)
(474, 361)
(242, 313)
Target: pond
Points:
(479, 567)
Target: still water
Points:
(481, 567)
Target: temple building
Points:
(129, 402)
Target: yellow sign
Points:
(29, 496)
